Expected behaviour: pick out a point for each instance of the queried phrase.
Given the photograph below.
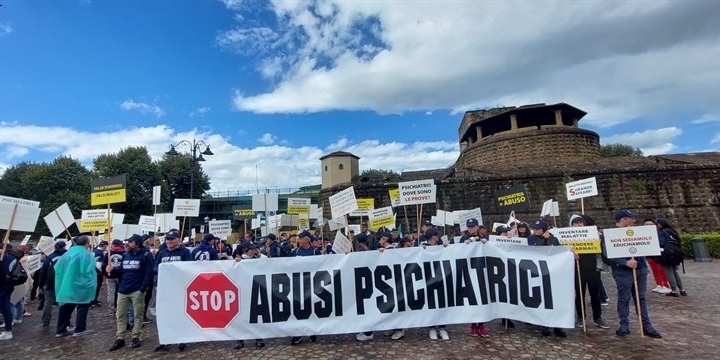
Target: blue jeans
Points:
(626, 291)
(603, 293)
(19, 309)
(6, 308)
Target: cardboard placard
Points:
(59, 219)
(382, 217)
(341, 244)
(46, 244)
(364, 207)
(514, 198)
(11, 200)
(463, 216)
(125, 231)
(156, 195)
(147, 223)
(550, 208)
(108, 190)
(220, 228)
(265, 202)
(25, 217)
(394, 197)
(507, 240)
(581, 188)
(241, 213)
(343, 203)
(417, 192)
(632, 241)
(585, 239)
(186, 207)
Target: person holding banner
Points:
(542, 237)
(590, 280)
(305, 249)
(622, 271)
(249, 251)
(432, 237)
(174, 251)
(472, 235)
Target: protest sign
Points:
(220, 228)
(550, 208)
(298, 206)
(585, 239)
(417, 192)
(514, 198)
(343, 203)
(108, 190)
(341, 244)
(23, 202)
(303, 222)
(147, 223)
(581, 188)
(33, 264)
(25, 240)
(631, 242)
(125, 231)
(463, 216)
(46, 244)
(92, 220)
(186, 207)
(265, 202)
(507, 240)
(394, 197)
(447, 217)
(241, 213)
(59, 219)
(381, 217)
(156, 195)
(364, 207)
(336, 224)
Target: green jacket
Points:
(75, 276)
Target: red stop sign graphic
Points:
(212, 300)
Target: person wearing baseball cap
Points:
(361, 242)
(249, 250)
(472, 235)
(542, 237)
(173, 251)
(305, 249)
(622, 271)
(589, 278)
(99, 252)
(206, 251)
(117, 251)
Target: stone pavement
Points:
(690, 327)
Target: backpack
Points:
(672, 254)
(285, 249)
(16, 274)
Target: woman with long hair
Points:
(667, 233)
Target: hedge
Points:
(712, 240)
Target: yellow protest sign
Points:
(585, 239)
(298, 206)
(108, 190)
(394, 197)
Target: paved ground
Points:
(690, 327)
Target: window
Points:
(340, 167)
(325, 167)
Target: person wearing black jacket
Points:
(590, 278)
(47, 281)
(117, 251)
(135, 273)
(10, 260)
(542, 237)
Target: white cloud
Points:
(143, 108)
(617, 61)
(15, 152)
(233, 4)
(232, 168)
(651, 142)
(716, 139)
(707, 118)
(267, 139)
(200, 111)
(5, 28)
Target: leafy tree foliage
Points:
(617, 150)
(380, 175)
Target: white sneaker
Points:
(398, 334)
(363, 337)
(657, 288)
(16, 322)
(444, 335)
(665, 290)
(152, 311)
(6, 335)
(433, 334)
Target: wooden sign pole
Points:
(7, 236)
(580, 295)
(63, 224)
(637, 301)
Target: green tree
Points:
(617, 150)
(176, 174)
(142, 174)
(379, 175)
(11, 183)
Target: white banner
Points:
(343, 203)
(581, 188)
(220, 228)
(186, 207)
(364, 291)
(508, 240)
(632, 241)
(417, 192)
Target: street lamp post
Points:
(197, 156)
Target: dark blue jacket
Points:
(136, 271)
(181, 253)
(47, 281)
(9, 261)
(536, 240)
(205, 252)
(308, 252)
(115, 260)
(275, 250)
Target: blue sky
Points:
(285, 82)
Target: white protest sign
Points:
(167, 221)
(265, 202)
(435, 220)
(298, 206)
(220, 228)
(59, 219)
(92, 220)
(585, 239)
(381, 217)
(117, 218)
(463, 216)
(25, 240)
(364, 207)
(341, 245)
(445, 217)
(46, 244)
(632, 241)
(33, 264)
(254, 224)
(507, 240)
(303, 222)
(417, 192)
(147, 223)
(315, 212)
(343, 203)
(125, 231)
(25, 217)
(354, 228)
(338, 223)
(23, 202)
(581, 188)
(550, 208)
(186, 207)
(156, 195)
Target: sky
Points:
(272, 86)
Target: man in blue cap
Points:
(206, 251)
(542, 237)
(305, 249)
(622, 271)
(473, 235)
